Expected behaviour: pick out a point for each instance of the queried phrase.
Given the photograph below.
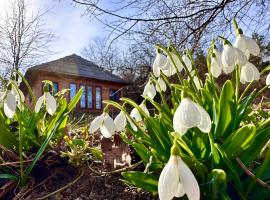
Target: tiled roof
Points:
(77, 66)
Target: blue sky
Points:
(65, 19)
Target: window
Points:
(114, 94)
(72, 88)
(82, 100)
(55, 87)
(98, 98)
(89, 97)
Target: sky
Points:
(72, 29)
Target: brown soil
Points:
(54, 179)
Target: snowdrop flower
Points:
(188, 115)
(216, 64)
(169, 69)
(120, 122)
(249, 73)
(247, 45)
(159, 63)
(49, 102)
(10, 104)
(187, 62)
(176, 180)
(177, 62)
(232, 56)
(149, 90)
(161, 85)
(135, 114)
(268, 79)
(105, 123)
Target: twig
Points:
(41, 183)
(15, 163)
(115, 171)
(248, 172)
(61, 189)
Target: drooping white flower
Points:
(187, 62)
(197, 82)
(105, 123)
(176, 179)
(249, 73)
(49, 101)
(135, 114)
(10, 104)
(267, 82)
(169, 69)
(232, 56)
(247, 45)
(190, 114)
(120, 122)
(177, 62)
(149, 90)
(159, 63)
(216, 68)
(161, 85)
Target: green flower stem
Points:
(20, 132)
(237, 82)
(245, 91)
(261, 91)
(187, 71)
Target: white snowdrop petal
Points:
(120, 122)
(228, 69)
(96, 123)
(143, 107)
(10, 105)
(197, 82)
(228, 56)
(162, 84)
(180, 192)
(133, 126)
(149, 90)
(241, 58)
(169, 180)
(253, 47)
(267, 82)
(249, 73)
(160, 60)
(187, 62)
(50, 103)
(188, 113)
(177, 62)
(169, 69)
(178, 127)
(136, 115)
(205, 122)
(107, 128)
(215, 68)
(39, 103)
(190, 184)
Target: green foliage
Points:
(28, 130)
(238, 134)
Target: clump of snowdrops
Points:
(30, 130)
(199, 147)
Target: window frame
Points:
(101, 106)
(87, 95)
(70, 90)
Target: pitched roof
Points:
(77, 66)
